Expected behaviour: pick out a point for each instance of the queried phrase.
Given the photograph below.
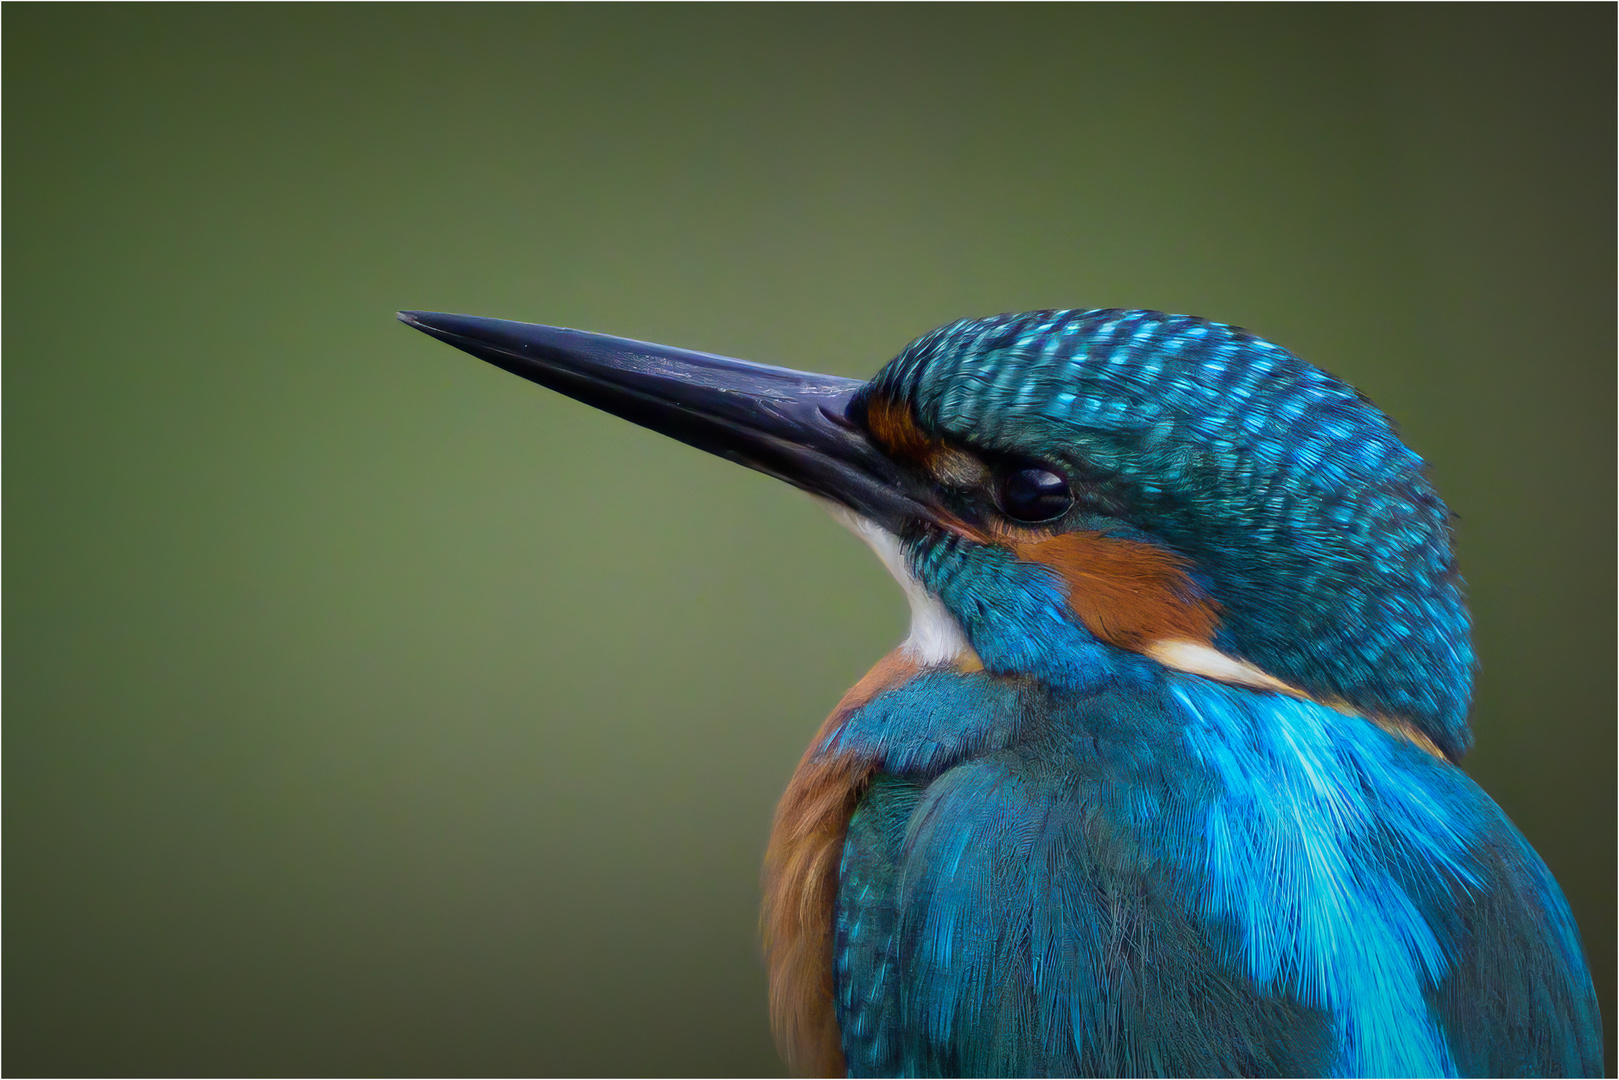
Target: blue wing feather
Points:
(1194, 881)
(865, 924)
(1518, 999)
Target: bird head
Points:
(1064, 493)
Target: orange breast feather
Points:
(801, 884)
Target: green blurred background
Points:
(371, 711)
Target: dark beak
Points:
(792, 425)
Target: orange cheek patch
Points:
(1127, 594)
(892, 425)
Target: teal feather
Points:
(1190, 880)
(1079, 862)
(1197, 812)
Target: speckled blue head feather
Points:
(1101, 814)
(1305, 517)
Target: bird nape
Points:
(1163, 780)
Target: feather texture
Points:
(1198, 880)
(1082, 861)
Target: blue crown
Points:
(1305, 517)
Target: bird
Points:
(1163, 781)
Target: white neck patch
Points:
(936, 637)
(1196, 658)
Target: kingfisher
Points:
(1163, 781)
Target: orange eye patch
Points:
(1128, 594)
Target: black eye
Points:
(1033, 493)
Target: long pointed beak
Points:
(792, 425)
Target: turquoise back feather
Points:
(1187, 879)
(1081, 862)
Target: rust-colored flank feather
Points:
(801, 883)
(1132, 595)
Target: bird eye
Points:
(1033, 493)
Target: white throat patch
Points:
(936, 638)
